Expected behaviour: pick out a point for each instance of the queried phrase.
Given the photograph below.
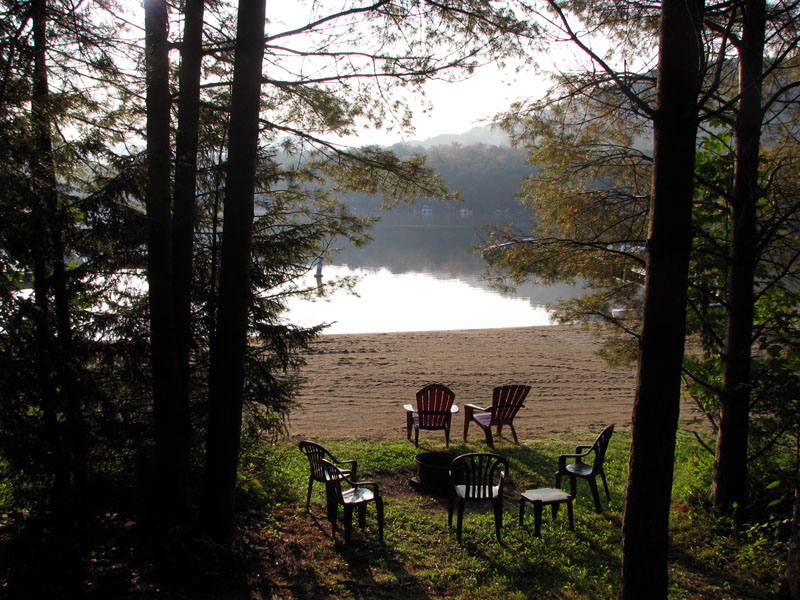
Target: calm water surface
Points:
(420, 274)
(392, 302)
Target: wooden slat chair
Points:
(506, 402)
(477, 476)
(434, 410)
(581, 467)
(316, 454)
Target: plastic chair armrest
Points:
(501, 483)
(366, 484)
(353, 470)
(562, 460)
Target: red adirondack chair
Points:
(506, 402)
(434, 410)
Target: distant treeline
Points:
(487, 176)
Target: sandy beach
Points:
(357, 384)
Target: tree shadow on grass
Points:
(377, 571)
(546, 566)
(296, 556)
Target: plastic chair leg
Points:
(348, 523)
(498, 516)
(331, 505)
(362, 516)
(460, 520)
(450, 507)
(570, 515)
(537, 512)
(379, 510)
(605, 484)
(595, 494)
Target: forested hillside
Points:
(488, 177)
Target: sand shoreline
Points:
(357, 383)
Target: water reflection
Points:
(388, 302)
(405, 240)
(419, 274)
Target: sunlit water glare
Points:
(388, 302)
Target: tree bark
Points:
(170, 496)
(183, 221)
(226, 377)
(656, 406)
(730, 464)
(69, 445)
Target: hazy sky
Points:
(457, 107)
(460, 106)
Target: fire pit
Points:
(433, 469)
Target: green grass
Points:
(283, 552)
(420, 556)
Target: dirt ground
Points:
(357, 384)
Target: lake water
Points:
(389, 302)
(416, 278)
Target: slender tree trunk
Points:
(226, 378)
(70, 445)
(45, 380)
(656, 407)
(730, 464)
(186, 145)
(170, 496)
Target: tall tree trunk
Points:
(186, 144)
(656, 407)
(730, 464)
(45, 380)
(70, 448)
(226, 377)
(170, 495)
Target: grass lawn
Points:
(284, 552)
(291, 554)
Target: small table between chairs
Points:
(541, 497)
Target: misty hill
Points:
(487, 176)
(486, 134)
